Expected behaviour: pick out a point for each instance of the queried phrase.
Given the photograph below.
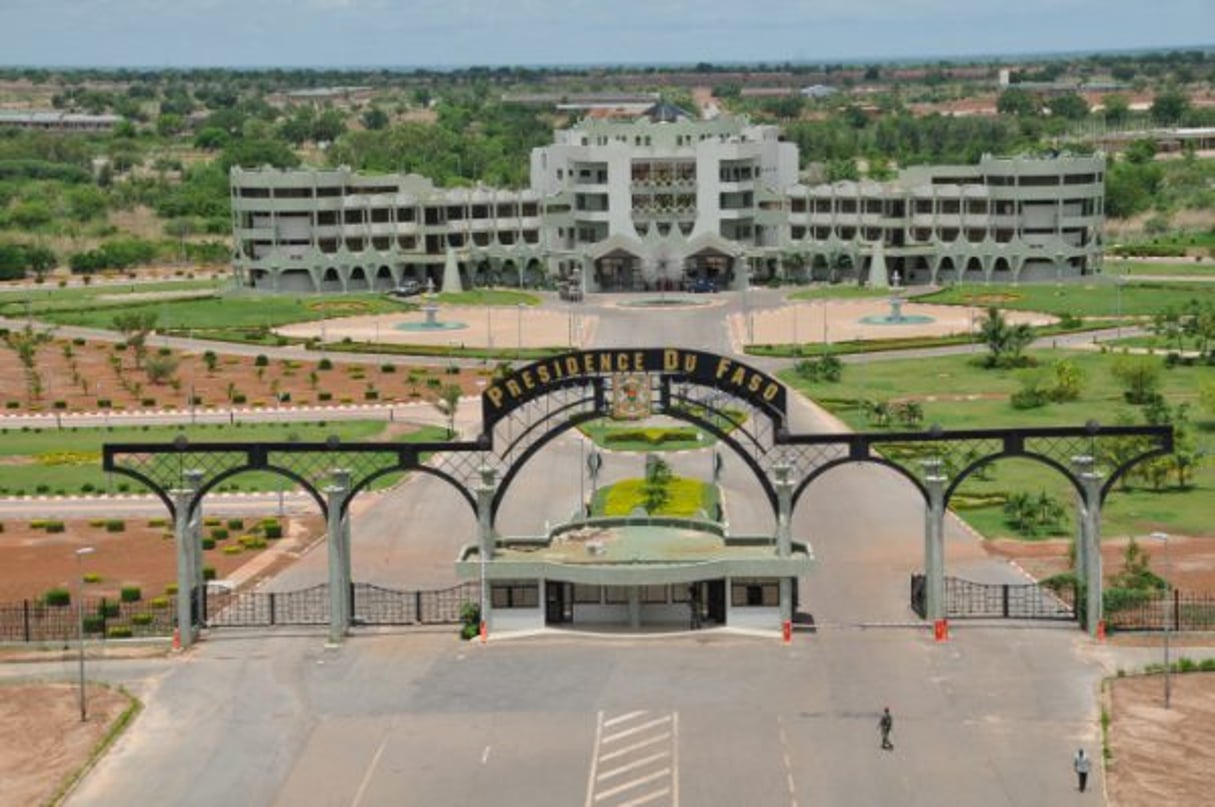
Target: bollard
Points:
(1101, 630)
(940, 630)
(484, 632)
(786, 630)
(177, 639)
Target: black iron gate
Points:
(373, 605)
(965, 599)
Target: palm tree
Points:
(448, 402)
(1006, 343)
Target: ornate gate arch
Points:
(524, 410)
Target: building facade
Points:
(662, 201)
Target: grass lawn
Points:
(958, 394)
(840, 291)
(1115, 266)
(636, 437)
(52, 460)
(488, 297)
(49, 297)
(689, 498)
(237, 311)
(1097, 299)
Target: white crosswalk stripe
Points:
(635, 760)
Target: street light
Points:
(1168, 590)
(80, 553)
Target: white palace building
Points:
(664, 201)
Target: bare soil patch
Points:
(83, 377)
(42, 739)
(1191, 565)
(1161, 756)
(143, 555)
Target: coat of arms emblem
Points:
(631, 397)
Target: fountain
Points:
(431, 309)
(896, 315)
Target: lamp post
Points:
(1119, 282)
(80, 553)
(519, 350)
(1168, 591)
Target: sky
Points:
(453, 33)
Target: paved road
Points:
(991, 717)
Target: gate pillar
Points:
(194, 481)
(485, 537)
(339, 578)
(1080, 466)
(784, 534)
(182, 534)
(934, 541)
(1090, 482)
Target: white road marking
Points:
(635, 760)
(784, 745)
(485, 755)
(375, 760)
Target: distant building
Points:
(662, 201)
(818, 91)
(56, 121)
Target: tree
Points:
(1169, 106)
(1139, 376)
(448, 403)
(1069, 105)
(1015, 101)
(135, 326)
(655, 490)
(1005, 343)
(212, 361)
(375, 118)
(160, 368)
(1116, 109)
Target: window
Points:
(588, 595)
(515, 595)
(755, 593)
(616, 595)
(654, 594)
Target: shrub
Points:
(158, 602)
(233, 549)
(273, 531)
(131, 594)
(324, 364)
(109, 610)
(93, 623)
(236, 523)
(219, 533)
(324, 396)
(239, 398)
(157, 522)
(57, 597)
(91, 577)
(119, 632)
(115, 525)
(388, 368)
(54, 526)
(171, 589)
(208, 573)
(208, 543)
(103, 403)
(141, 619)
(262, 360)
(252, 542)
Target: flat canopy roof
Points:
(636, 554)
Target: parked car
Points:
(408, 288)
(702, 285)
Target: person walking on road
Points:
(885, 724)
(1081, 764)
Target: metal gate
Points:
(372, 605)
(965, 599)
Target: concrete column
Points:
(194, 483)
(784, 534)
(1080, 466)
(485, 537)
(635, 607)
(347, 569)
(185, 565)
(339, 582)
(1091, 482)
(934, 541)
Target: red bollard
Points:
(484, 632)
(940, 630)
(786, 630)
(1101, 630)
(177, 638)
